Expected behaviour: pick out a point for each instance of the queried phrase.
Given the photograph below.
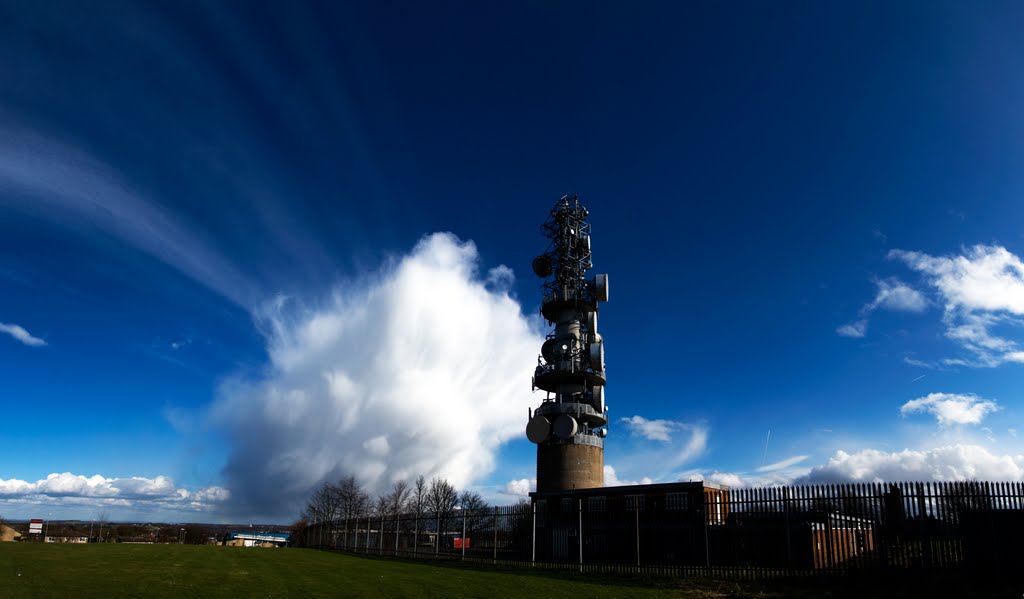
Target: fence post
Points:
(789, 551)
(416, 532)
(495, 558)
(437, 536)
(367, 548)
(398, 528)
(463, 534)
(579, 534)
(380, 546)
(533, 538)
(704, 517)
(926, 554)
(636, 514)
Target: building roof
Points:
(273, 537)
(652, 489)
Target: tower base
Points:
(567, 467)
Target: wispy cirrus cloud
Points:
(855, 329)
(52, 180)
(783, 464)
(662, 447)
(19, 333)
(892, 294)
(952, 408)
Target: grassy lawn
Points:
(38, 570)
(112, 570)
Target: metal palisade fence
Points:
(740, 533)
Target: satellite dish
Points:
(598, 399)
(601, 287)
(565, 426)
(542, 266)
(592, 323)
(597, 355)
(585, 245)
(548, 350)
(538, 429)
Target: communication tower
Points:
(569, 426)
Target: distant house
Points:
(257, 539)
(66, 539)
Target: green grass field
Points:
(112, 570)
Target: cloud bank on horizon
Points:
(134, 494)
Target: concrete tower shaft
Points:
(569, 425)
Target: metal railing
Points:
(743, 533)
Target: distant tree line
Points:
(334, 504)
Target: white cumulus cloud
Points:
(21, 334)
(520, 487)
(654, 430)
(952, 408)
(422, 370)
(981, 289)
(611, 479)
(894, 294)
(728, 479)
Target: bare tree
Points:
(419, 495)
(321, 510)
(102, 518)
(382, 506)
(353, 499)
(399, 497)
(353, 503)
(442, 499)
(298, 530)
(476, 511)
(419, 501)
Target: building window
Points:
(595, 504)
(677, 501)
(634, 502)
(566, 505)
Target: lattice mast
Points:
(569, 426)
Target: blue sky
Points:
(245, 251)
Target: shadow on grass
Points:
(896, 584)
